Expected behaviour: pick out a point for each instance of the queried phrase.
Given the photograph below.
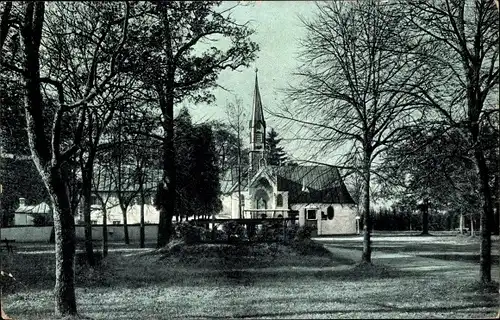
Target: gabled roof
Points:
(312, 184)
(39, 208)
(305, 184)
(106, 180)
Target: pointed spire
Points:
(257, 112)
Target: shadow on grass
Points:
(229, 277)
(380, 309)
(396, 247)
(473, 258)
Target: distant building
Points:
(106, 194)
(316, 194)
(25, 214)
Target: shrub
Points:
(303, 233)
(309, 247)
(189, 233)
(234, 232)
(269, 232)
(291, 232)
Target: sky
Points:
(278, 30)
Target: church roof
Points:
(106, 180)
(312, 184)
(305, 184)
(229, 180)
(257, 112)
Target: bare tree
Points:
(354, 63)
(464, 35)
(50, 107)
(98, 117)
(236, 119)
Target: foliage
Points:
(198, 185)
(234, 232)
(308, 247)
(168, 55)
(303, 233)
(13, 137)
(43, 219)
(276, 156)
(436, 165)
(403, 217)
(19, 179)
(189, 233)
(275, 232)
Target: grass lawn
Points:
(407, 281)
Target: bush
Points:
(309, 247)
(291, 231)
(234, 232)
(189, 233)
(303, 233)
(269, 232)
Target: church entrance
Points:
(261, 202)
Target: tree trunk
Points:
(472, 234)
(64, 226)
(425, 217)
(125, 226)
(486, 216)
(104, 232)
(367, 223)
(461, 223)
(485, 221)
(87, 198)
(141, 231)
(239, 168)
(168, 196)
(165, 90)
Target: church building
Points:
(314, 193)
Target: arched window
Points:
(279, 200)
(329, 213)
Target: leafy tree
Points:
(198, 173)
(433, 168)
(165, 60)
(276, 156)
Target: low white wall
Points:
(26, 234)
(115, 233)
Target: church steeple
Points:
(257, 112)
(257, 130)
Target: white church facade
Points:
(315, 194)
